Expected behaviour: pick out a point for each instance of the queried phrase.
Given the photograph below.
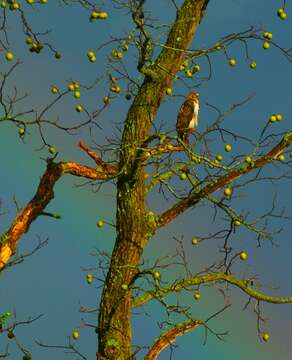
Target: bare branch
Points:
(198, 195)
(170, 336)
(207, 278)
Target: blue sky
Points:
(52, 281)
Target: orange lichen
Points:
(5, 254)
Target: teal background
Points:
(52, 281)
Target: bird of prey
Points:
(187, 119)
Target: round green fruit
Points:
(106, 99)
(232, 62)
(29, 40)
(21, 131)
(103, 15)
(197, 296)
(195, 241)
(52, 150)
(90, 53)
(79, 108)
(185, 63)
(100, 223)
(279, 117)
(34, 47)
(77, 93)
(243, 255)
(253, 65)
(219, 157)
(281, 157)
(114, 53)
(54, 90)
(92, 59)
(266, 45)
(265, 34)
(9, 56)
(189, 73)
(75, 334)
(94, 14)
(227, 191)
(268, 35)
(273, 118)
(168, 91)
(125, 47)
(281, 13)
(265, 337)
(157, 275)
(116, 89)
(15, 6)
(228, 147)
(89, 278)
(183, 176)
(196, 68)
(128, 96)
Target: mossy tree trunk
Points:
(133, 229)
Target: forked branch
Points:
(41, 199)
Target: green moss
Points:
(3, 238)
(112, 343)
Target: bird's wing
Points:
(185, 115)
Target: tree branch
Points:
(203, 279)
(170, 336)
(197, 195)
(41, 199)
(110, 169)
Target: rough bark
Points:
(45, 193)
(132, 227)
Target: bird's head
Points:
(193, 95)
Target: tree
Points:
(147, 158)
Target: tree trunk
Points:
(132, 235)
(132, 226)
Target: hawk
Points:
(187, 119)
